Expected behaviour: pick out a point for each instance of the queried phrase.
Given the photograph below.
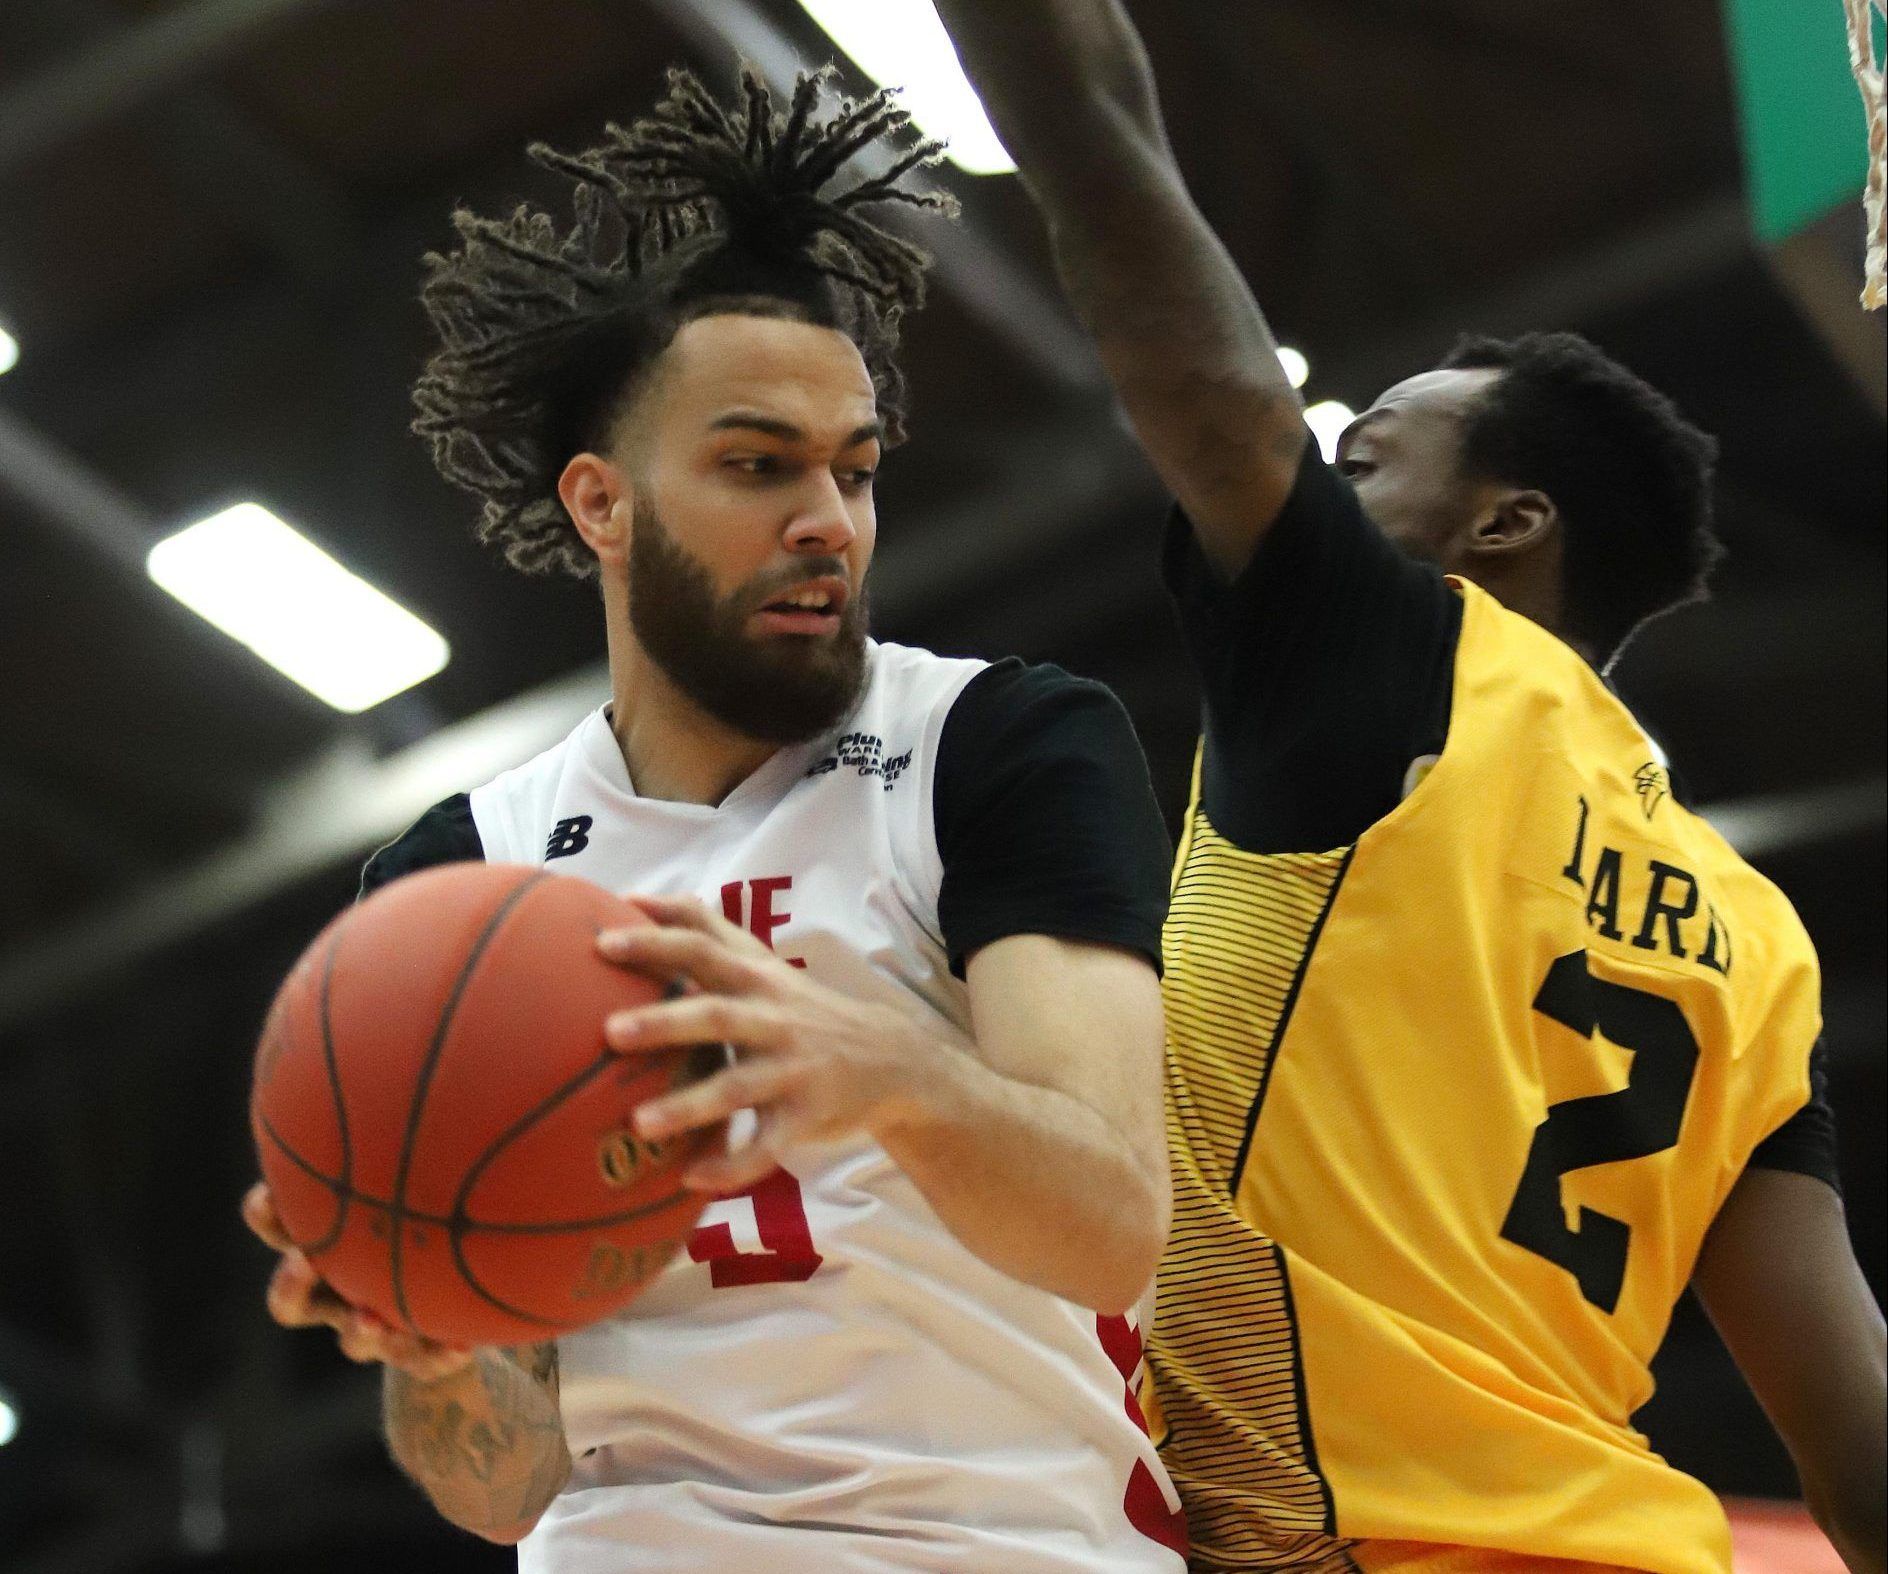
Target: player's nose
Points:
(823, 521)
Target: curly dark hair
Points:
(546, 333)
(1630, 476)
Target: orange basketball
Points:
(442, 1128)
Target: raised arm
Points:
(1779, 1278)
(1068, 87)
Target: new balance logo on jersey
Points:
(864, 753)
(568, 836)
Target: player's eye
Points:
(857, 480)
(754, 464)
(1353, 468)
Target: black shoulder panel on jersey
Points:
(1327, 668)
(1806, 1142)
(1045, 816)
(443, 834)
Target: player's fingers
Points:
(358, 1343)
(731, 1171)
(696, 1019)
(752, 1084)
(728, 1173)
(688, 912)
(260, 1215)
(428, 1363)
(297, 1298)
(423, 1358)
(704, 959)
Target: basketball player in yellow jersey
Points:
(1482, 1045)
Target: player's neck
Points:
(674, 750)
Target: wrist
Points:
(930, 1090)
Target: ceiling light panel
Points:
(902, 44)
(269, 587)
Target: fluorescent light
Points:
(9, 352)
(902, 44)
(272, 589)
(1327, 420)
(9, 1423)
(1297, 368)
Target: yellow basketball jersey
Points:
(1451, 1110)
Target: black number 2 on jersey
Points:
(1641, 1119)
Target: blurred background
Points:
(211, 219)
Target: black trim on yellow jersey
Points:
(1305, 1432)
(1284, 1026)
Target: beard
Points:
(782, 690)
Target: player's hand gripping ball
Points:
(443, 1132)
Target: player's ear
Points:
(1514, 521)
(600, 500)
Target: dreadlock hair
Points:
(1629, 475)
(547, 332)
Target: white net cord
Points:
(1868, 77)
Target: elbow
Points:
(1119, 1296)
(1136, 1257)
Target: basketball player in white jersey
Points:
(920, 898)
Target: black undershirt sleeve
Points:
(1806, 1142)
(443, 834)
(1045, 816)
(1327, 667)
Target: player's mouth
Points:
(810, 608)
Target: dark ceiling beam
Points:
(1664, 256)
(62, 490)
(123, 1539)
(233, 170)
(109, 1277)
(136, 66)
(74, 837)
(1820, 272)
(253, 184)
(339, 808)
(35, 1371)
(1761, 827)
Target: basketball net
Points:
(1868, 77)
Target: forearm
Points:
(1033, 1182)
(486, 1444)
(1068, 87)
(1851, 1515)
(1779, 1278)
(1842, 1477)
(1058, 78)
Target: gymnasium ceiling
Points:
(213, 215)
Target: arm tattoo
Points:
(486, 1444)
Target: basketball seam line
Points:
(340, 1101)
(397, 1208)
(465, 1224)
(517, 1128)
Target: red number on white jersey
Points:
(786, 1255)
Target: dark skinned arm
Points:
(1779, 1278)
(1068, 86)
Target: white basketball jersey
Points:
(827, 1380)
